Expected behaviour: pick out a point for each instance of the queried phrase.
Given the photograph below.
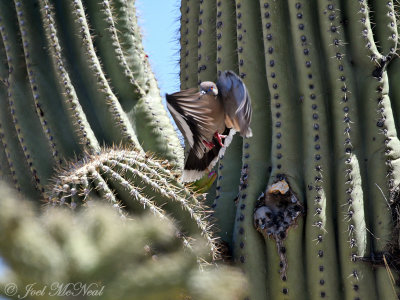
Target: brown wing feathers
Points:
(198, 115)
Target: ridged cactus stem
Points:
(321, 259)
(114, 62)
(24, 117)
(84, 79)
(5, 173)
(130, 40)
(3, 64)
(44, 93)
(15, 158)
(167, 197)
(230, 164)
(183, 42)
(191, 54)
(122, 185)
(320, 80)
(142, 106)
(137, 180)
(119, 126)
(207, 43)
(249, 249)
(381, 143)
(101, 186)
(393, 70)
(77, 118)
(284, 249)
(386, 31)
(351, 220)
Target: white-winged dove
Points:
(209, 118)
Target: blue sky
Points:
(159, 20)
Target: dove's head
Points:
(209, 88)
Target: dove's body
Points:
(202, 116)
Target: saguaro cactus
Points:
(81, 114)
(319, 178)
(80, 259)
(65, 92)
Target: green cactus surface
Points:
(99, 252)
(72, 83)
(320, 177)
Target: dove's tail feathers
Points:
(191, 175)
(195, 167)
(248, 133)
(227, 141)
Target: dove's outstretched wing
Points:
(193, 116)
(237, 102)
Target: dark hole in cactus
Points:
(276, 211)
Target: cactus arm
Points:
(207, 48)
(101, 186)
(351, 221)
(100, 104)
(3, 64)
(143, 107)
(127, 178)
(75, 115)
(15, 158)
(380, 133)
(119, 121)
(123, 186)
(380, 136)
(249, 250)
(320, 239)
(183, 42)
(43, 85)
(102, 20)
(285, 152)
(5, 172)
(393, 70)
(131, 41)
(229, 166)
(386, 29)
(394, 89)
(163, 196)
(191, 54)
(30, 134)
(360, 32)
